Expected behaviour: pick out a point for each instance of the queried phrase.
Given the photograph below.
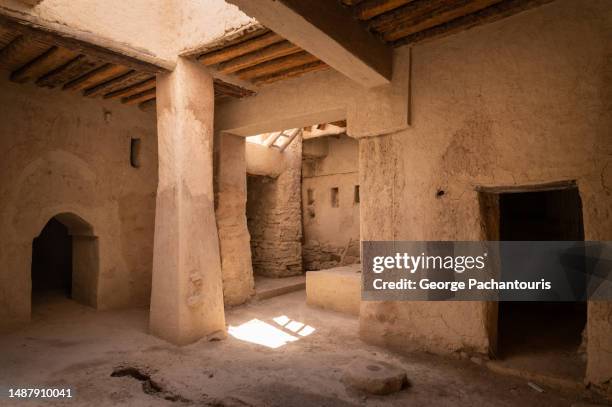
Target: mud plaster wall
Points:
(522, 101)
(274, 218)
(331, 234)
(65, 153)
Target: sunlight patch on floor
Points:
(265, 334)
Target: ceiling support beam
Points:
(326, 30)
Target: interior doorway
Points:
(52, 262)
(542, 336)
(65, 261)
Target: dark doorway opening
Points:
(52, 261)
(542, 336)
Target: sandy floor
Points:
(70, 345)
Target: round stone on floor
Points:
(374, 377)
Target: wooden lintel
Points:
(549, 186)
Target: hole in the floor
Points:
(542, 336)
(149, 386)
(373, 368)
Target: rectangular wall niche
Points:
(135, 152)
(310, 196)
(356, 195)
(334, 197)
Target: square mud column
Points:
(234, 238)
(186, 296)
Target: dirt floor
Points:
(109, 359)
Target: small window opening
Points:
(135, 152)
(310, 196)
(356, 194)
(334, 197)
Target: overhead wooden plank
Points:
(20, 51)
(484, 16)
(120, 82)
(6, 37)
(409, 12)
(74, 41)
(42, 64)
(372, 8)
(291, 73)
(132, 89)
(325, 29)
(274, 51)
(229, 89)
(241, 48)
(98, 75)
(139, 97)
(277, 65)
(440, 15)
(72, 69)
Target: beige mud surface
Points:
(70, 345)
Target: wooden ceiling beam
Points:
(409, 12)
(239, 49)
(139, 97)
(229, 89)
(109, 85)
(120, 82)
(325, 29)
(291, 73)
(98, 75)
(372, 8)
(42, 64)
(12, 48)
(443, 13)
(277, 65)
(74, 68)
(132, 89)
(271, 52)
(486, 15)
